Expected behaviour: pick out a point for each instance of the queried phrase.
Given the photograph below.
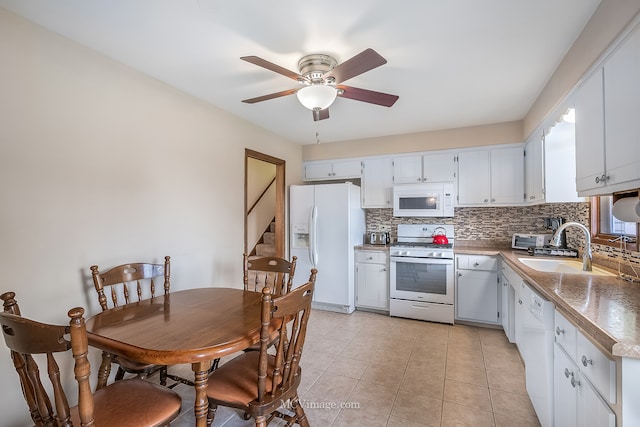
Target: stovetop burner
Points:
(416, 240)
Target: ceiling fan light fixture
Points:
(317, 96)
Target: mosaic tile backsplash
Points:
(496, 225)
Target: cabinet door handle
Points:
(602, 179)
(570, 374)
(384, 269)
(586, 361)
(475, 264)
(574, 381)
(459, 274)
(559, 331)
(519, 301)
(486, 200)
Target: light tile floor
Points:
(374, 370)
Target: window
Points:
(606, 228)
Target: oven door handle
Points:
(444, 261)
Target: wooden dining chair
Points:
(277, 273)
(259, 382)
(129, 283)
(131, 402)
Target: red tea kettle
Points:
(439, 236)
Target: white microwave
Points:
(423, 200)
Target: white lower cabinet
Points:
(372, 279)
(584, 380)
(518, 315)
(577, 403)
(510, 279)
(477, 289)
(566, 376)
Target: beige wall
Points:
(499, 133)
(100, 164)
(609, 20)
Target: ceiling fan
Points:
(321, 80)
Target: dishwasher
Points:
(538, 321)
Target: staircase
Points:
(267, 246)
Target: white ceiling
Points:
(453, 63)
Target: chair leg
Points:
(163, 376)
(301, 417)
(104, 370)
(211, 414)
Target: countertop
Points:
(607, 309)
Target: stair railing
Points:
(261, 196)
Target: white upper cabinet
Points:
(560, 164)
(474, 177)
(589, 104)
(621, 106)
(507, 175)
(491, 177)
(377, 183)
(534, 170)
(607, 127)
(437, 167)
(407, 170)
(332, 169)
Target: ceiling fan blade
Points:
(365, 95)
(320, 114)
(273, 67)
(270, 96)
(366, 60)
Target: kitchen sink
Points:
(570, 266)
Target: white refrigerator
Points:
(326, 223)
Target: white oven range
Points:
(421, 273)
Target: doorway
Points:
(264, 199)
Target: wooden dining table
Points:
(193, 326)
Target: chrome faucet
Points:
(586, 254)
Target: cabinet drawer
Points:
(597, 367)
(371, 257)
(565, 334)
(477, 262)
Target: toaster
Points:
(524, 241)
(378, 238)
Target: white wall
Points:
(100, 164)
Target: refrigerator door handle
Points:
(313, 223)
